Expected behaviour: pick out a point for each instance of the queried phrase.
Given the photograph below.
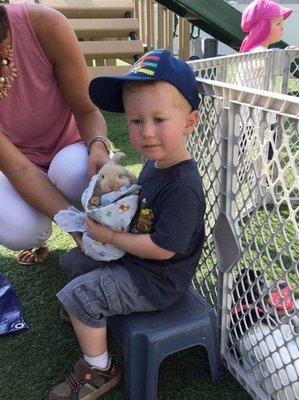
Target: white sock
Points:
(98, 361)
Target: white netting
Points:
(246, 145)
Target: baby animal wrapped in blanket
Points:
(110, 199)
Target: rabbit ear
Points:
(118, 156)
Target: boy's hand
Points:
(99, 232)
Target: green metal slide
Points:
(216, 17)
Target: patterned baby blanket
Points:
(116, 212)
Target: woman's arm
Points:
(61, 47)
(31, 183)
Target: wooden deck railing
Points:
(157, 27)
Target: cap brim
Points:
(106, 91)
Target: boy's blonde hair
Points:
(179, 99)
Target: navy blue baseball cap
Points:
(156, 65)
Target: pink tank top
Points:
(34, 115)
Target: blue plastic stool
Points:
(147, 338)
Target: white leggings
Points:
(23, 227)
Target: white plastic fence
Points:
(273, 70)
(249, 268)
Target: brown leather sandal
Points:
(36, 255)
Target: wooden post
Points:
(148, 26)
(142, 21)
(161, 31)
(169, 37)
(181, 42)
(136, 9)
(184, 39)
(152, 24)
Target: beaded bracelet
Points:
(102, 139)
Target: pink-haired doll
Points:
(263, 20)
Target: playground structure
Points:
(113, 34)
(107, 32)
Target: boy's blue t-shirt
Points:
(171, 210)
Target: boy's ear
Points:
(191, 121)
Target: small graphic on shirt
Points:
(143, 222)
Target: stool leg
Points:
(216, 366)
(152, 375)
(213, 350)
(141, 371)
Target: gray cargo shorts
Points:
(106, 289)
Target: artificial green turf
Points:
(33, 361)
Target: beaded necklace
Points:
(7, 70)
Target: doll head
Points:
(262, 21)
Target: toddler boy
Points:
(160, 100)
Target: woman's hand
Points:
(97, 158)
(99, 232)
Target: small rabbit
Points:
(112, 176)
